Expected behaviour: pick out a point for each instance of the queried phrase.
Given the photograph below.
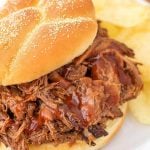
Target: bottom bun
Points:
(112, 128)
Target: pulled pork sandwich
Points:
(63, 81)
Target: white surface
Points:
(2, 2)
(144, 2)
(132, 136)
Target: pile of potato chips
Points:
(128, 21)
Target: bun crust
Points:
(112, 128)
(38, 39)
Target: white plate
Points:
(2, 2)
(132, 136)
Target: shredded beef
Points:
(73, 102)
(97, 131)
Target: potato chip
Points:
(113, 30)
(145, 70)
(145, 26)
(125, 13)
(140, 108)
(138, 39)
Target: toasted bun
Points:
(37, 37)
(112, 128)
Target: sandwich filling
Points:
(73, 102)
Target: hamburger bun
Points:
(39, 37)
(112, 128)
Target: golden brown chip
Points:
(125, 13)
(140, 107)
